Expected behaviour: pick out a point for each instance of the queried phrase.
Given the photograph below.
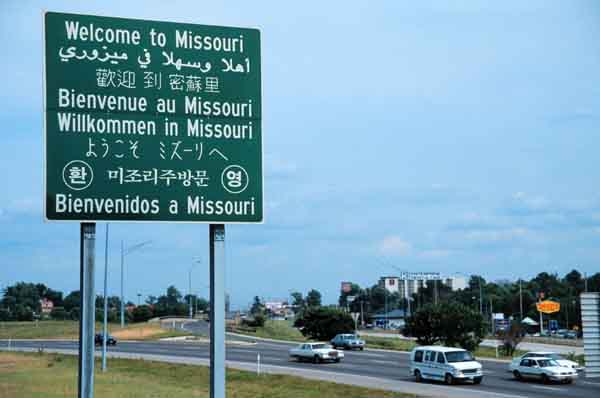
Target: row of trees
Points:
(485, 296)
(22, 302)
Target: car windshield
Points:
(349, 337)
(459, 356)
(544, 363)
(318, 346)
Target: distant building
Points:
(393, 319)
(47, 305)
(408, 283)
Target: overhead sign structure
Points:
(548, 306)
(151, 121)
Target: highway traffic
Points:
(386, 366)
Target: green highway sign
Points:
(151, 121)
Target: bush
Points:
(257, 322)
(59, 314)
(322, 323)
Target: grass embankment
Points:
(50, 375)
(278, 330)
(70, 330)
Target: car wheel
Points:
(337, 360)
(517, 375)
(477, 380)
(449, 379)
(362, 348)
(545, 379)
(418, 377)
(316, 359)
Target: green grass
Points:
(52, 376)
(387, 343)
(278, 330)
(70, 330)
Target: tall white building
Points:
(408, 283)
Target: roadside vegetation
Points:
(51, 375)
(70, 330)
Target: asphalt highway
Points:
(391, 366)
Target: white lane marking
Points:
(590, 382)
(366, 354)
(545, 388)
(384, 362)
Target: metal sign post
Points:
(217, 310)
(87, 306)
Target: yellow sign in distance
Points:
(548, 306)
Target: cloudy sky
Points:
(458, 137)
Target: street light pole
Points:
(124, 252)
(190, 293)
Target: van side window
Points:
(418, 356)
(429, 355)
(440, 358)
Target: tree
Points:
(511, 338)
(323, 323)
(313, 298)
(298, 302)
(142, 313)
(257, 306)
(452, 324)
(425, 325)
(72, 300)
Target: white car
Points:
(316, 352)
(552, 355)
(448, 364)
(542, 368)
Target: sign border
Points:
(44, 132)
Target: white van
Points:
(448, 364)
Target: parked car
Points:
(552, 355)
(448, 364)
(541, 368)
(110, 340)
(348, 342)
(316, 352)
(571, 334)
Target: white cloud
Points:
(394, 246)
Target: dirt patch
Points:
(137, 333)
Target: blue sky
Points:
(428, 136)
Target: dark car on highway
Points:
(348, 342)
(110, 340)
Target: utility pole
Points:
(480, 297)
(585, 281)
(362, 319)
(492, 327)
(521, 297)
